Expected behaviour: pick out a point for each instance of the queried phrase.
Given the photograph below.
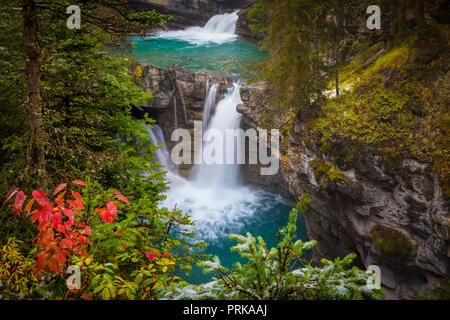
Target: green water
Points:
(232, 57)
(271, 214)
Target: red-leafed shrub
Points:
(62, 230)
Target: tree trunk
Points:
(36, 151)
(339, 32)
(394, 16)
(420, 12)
(183, 103)
(402, 16)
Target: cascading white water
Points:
(223, 23)
(219, 29)
(210, 102)
(225, 117)
(162, 154)
(214, 196)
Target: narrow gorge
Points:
(370, 201)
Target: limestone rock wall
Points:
(391, 216)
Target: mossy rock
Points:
(391, 242)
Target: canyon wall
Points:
(391, 216)
(395, 217)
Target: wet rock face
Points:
(161, 83)
(391, 216)
(254, 98)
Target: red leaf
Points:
(66, 243)
(60, 228)
(82, 239)
(79, 182)
(20, 198)
(56, 220)
(77, 212)
(40, 261)
(58, 200)
(112, 207)
(69, 213)
(87, 229)
(121, 197)
(39, 195)
(78, 196)
(75, 204)
(29, 205)
(52, 264)
(59, 188)
(151, 256)
(10, 194)
(124, 245)
(43, 210)
(106, 215)
(167, 254)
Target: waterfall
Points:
(225, 117)
(223, 23)
(218, 30)
(162, 154)
(214, 196)
(210, 102)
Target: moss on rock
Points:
(391, 242)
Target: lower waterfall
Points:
(216, 198)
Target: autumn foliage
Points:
(62, 231)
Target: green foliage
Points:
(303, 204)
(272, 275)
(296, 34)
(391, 242)
(396, 108)
(326, 172)
(88, 95)
(17, 278)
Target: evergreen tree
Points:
(85, 125)
(281, 274)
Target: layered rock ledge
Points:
(393, 217)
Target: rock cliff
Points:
(392, 216)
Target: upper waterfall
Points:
(219, 29)
(223, 23)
